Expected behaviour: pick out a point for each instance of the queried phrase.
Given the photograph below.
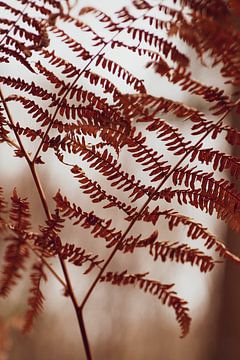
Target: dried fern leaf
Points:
(154, 287)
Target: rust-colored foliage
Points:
(94, 109)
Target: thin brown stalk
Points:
(55, 274)
(43, 199)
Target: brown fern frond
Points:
(181, 253)
(107, 166)
(142, 5)
(29, 132)
(222, 102)
(104, 18)
(125, 16)
(42, 116)
(146, 156)
(196, 231)
(175, 141)
(154, 287)
(96, 38)
(222, 190)
(97, 194)
(148, 105)
(75, 255)
(36, 298)
(160, 44)
(79, 112)
(13, 32)
(12, 53)
(219, 160)
(16, 252)
(22, 85)
(4, 131)
(75, 46)
(99, 227)
(225, 204)
(52, 78)
(153, 55)
(133, 243)
(69, 70)
(107, 86)
(121, 73)
(232, 135)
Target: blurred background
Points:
(123, 323)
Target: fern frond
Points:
(133, 243)
(69, 70)
(75, 255)
(219, 160)
(22, 85)
(75, 46)
(121, 73)
(148, 105)
(141, 5)
(99, 227)
(147, 157)
(196, 231)
(28, 132)
(36, 298)
(225, 204)
(4, 131)
(125, 16)
(160, 44)
(175, 142)
(154, 287)
(181, 253)
(97, 194)
(107, 86)
(42, 116)
(102, 17)
(52, 78)
(16, 252)
(184, 79)
(13, 53)
(107, 166)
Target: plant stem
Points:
(48, 215)
(84, 334)
(47, 265)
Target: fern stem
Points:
(55, 274)
(84, 334)
(43, 199)
(132, 223)
(12, 127)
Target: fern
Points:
(88, 111)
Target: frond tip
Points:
(154, 287)
(36, 298)
(16, 252)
